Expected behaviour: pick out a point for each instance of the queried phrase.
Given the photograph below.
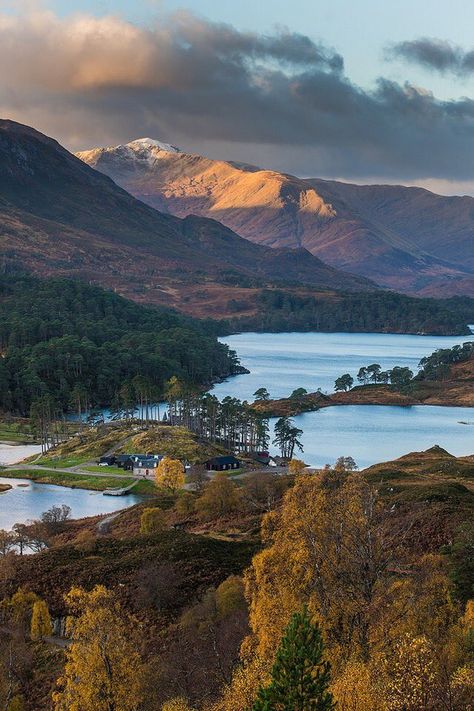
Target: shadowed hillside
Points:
(58, 216)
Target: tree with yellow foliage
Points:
(40, 621)
(296, 467)
(185, 505)
(229, 596)
(169, 474)
(356, 688)
(468, 622)
(333, 546)
(152, 520)
(103, 670)
(177, 704)
(411, 675)
(219, 498)
(240, 694)
(20, 607)
(318, 555)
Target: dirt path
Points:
(102, 525)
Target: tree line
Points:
(379, 311)
(374, 375)
(433, 367)
(436, 366)
(233, 423)
(81, 346)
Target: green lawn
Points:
(104, 470)
(147, 488)
(16, 432)
(77, 481)
(61, 462)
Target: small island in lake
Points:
(446, 378)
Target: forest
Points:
(79, 345)
(339, 589)
(382, 311)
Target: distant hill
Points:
(408, 239)
(59, 216)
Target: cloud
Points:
(435, 54)
(85, 53)
(281, 99)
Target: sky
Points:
(360, 91)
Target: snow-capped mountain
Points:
(58, 216)
(408, 239)
(144, 151)
(150, 143)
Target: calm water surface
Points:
(282, 362)
(28, 500)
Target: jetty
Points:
(120, 491)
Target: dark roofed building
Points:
(124, 461)
(224, 463)
(261, 457)
(107, 459)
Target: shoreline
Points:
(423, 334)
(52, 478)
(447, 394)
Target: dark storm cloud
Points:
(282, 99)
(435, 54)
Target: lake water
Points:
(12, 454)
(282, 362)
(28, 500)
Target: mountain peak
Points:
(152, 143)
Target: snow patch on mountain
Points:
(152, 143)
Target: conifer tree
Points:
(300, 677)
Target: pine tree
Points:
(300, 677)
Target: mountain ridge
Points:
(408, 239)
(60, 216)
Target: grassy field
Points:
(104, 470)
(61, 462)
(17, 431)
(78, 481)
